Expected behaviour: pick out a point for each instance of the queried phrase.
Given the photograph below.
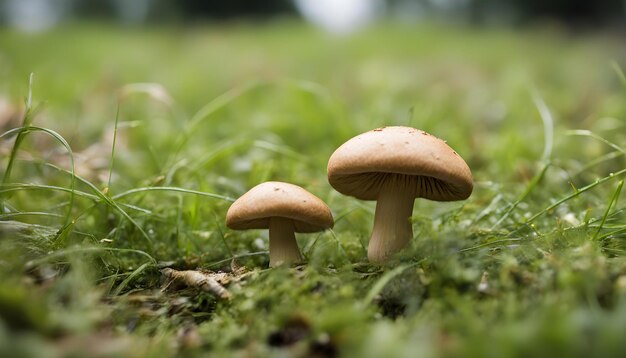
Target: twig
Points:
(206, 281)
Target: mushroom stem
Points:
(392, 228)
(283, 245)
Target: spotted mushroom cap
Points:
(277, 199)
(360, 166)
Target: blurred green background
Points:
(211, 98)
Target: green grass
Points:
(533, 264)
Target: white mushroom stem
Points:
(283, 245)
(392, 227)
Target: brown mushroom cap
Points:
(360, 166)
(254, 209)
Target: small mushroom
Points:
(284, 209)
(395, 165)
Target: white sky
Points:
(339, 16)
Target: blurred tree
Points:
(41, 14)
(576, 12)
(93, 8)
(135, 11)
(234, 8)
(570, 12)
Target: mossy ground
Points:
(533, 264)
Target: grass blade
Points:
(612, 202)
(588, 133)
(130, 277)
(117, 118)
(78, 250)
(27, 121)
(531, 186)
(171, 189)
(210, 108)
(8, 188)
(619, 72)
(25, 130)
(383, 281)
(575, 194)
(548, 126)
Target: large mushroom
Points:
(395, 165)
(283, 209)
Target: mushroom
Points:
(284, 209)
(395, 165)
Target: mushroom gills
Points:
(365, 185)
